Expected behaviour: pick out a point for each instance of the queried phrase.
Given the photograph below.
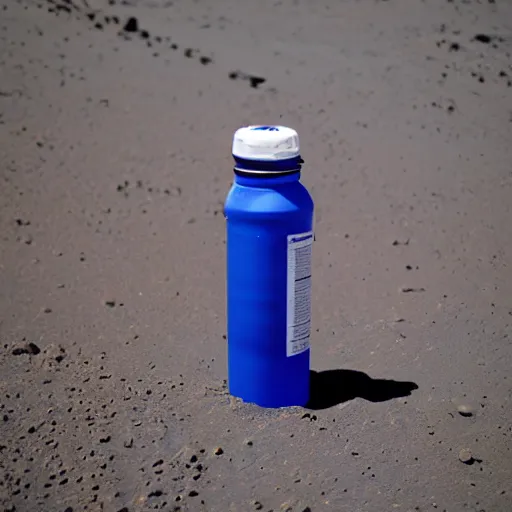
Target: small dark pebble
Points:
(189, 53)
(105, 439)
(69, 509)
(99, 26)
(155, 494)
(193, 494)
(205, 61)
(454, 47)
(132, 25)
(115, 19)
(110, 303)
(31, 430)
(256, 81)
(144, 34)
(91, 16)
(483, 38)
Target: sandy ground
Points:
(114, 165)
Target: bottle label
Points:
(298, 313)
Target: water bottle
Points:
(269, 221)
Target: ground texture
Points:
(115, 126)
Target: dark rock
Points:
(132, 25)
(33, 349)
(256, 81)
(483, 38)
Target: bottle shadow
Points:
(333, 387)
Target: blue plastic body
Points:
(260, 213)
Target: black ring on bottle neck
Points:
(267, 168)
(263, 174)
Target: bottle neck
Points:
(266, 181)
(265, 173)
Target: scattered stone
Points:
(128, 444)
(218, 451)
(33, 349)
(483, 38)
(110, 303)
(257, 505)
(465, 410)
(465, 456)
(193, 494)
(205, 60)
(256, 81)
(132, 25)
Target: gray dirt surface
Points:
(114, 165)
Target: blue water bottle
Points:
(269, 218)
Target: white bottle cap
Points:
(263, 142)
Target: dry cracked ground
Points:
(115, 125)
